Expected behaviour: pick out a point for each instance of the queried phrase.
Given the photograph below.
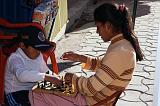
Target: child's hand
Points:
(57, 76)
(57, 82)
(71, 56)
(54, 80)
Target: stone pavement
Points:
(84, 40)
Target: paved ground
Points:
(84, 40)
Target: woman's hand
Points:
(68, 78)
(74, 57)
(70, 56)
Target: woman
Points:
(114, 71)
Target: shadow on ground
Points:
(143, 9)
(64, 65)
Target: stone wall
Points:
(75, 9)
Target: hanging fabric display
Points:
(45, 14)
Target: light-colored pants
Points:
(44, 99)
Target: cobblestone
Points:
(85, 40)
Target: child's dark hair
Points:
(23, 36)
(121, 21)
(20, 38)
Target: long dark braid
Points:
(128, 32)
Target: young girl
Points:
(113, 72)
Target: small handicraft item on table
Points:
(47, 87)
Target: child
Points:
(26, 66)
(113, 72)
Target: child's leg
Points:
(19, 98)
(41, 99)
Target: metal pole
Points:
(134, 11)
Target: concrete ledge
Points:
(156, 92)
(75, 11)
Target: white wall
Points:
(156, 98)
